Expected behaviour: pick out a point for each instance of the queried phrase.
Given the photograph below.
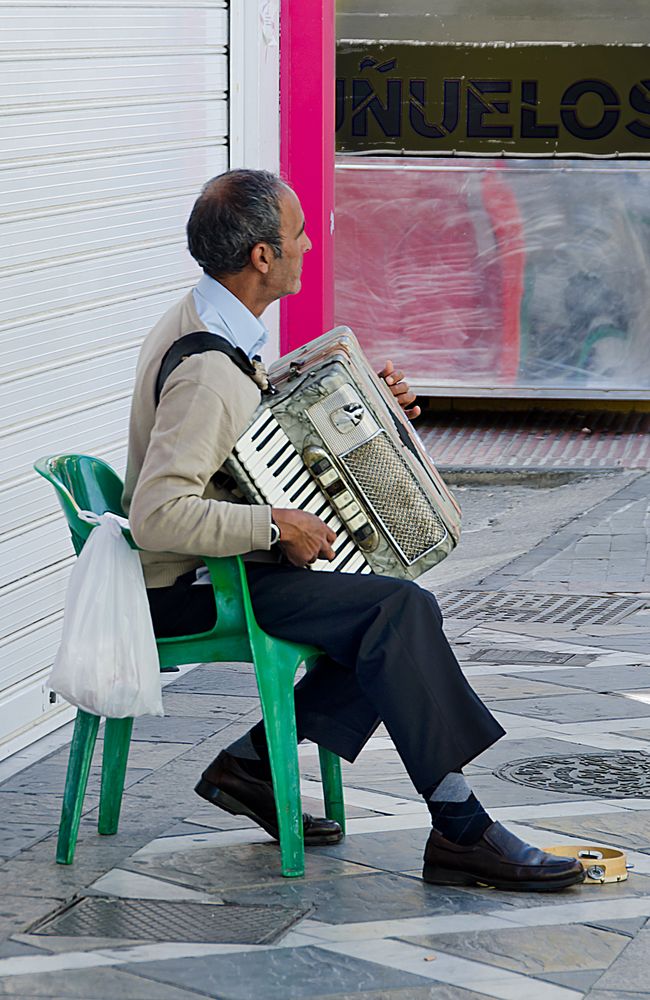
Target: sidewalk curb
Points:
(533, 477)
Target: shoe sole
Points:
(435, 875)
(233, 806)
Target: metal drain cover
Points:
(160, 920)
(501, 655)
(604, 775)
(559, 609)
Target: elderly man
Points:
(386, 656)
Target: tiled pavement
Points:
(368, 927)
(539, 439)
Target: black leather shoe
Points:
(227, 785)
(498, 859)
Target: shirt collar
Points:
(218, 307)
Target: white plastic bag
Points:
(107, 663)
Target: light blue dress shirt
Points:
(223, 313)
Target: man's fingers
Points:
(330, 536)
(394, 378)
(414, 412)
(402, 389)
(386, 370)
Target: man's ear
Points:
(261, 256)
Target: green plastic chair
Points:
(85, 483)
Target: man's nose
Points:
(307, 245)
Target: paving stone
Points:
(16, 837)
(186, 704)
(149, 756)
(18, 912)
(602, 679)
(630, 970)
(396, 851)
(617, 995)
(634, 644)
(629, 926)
(520, 949)
(400, 788)
(26, 877)
(172, 730)
(635, 887)
(435, 991)
(35, 780)
(217, 679)
(245, 865)
(21, 807)
(92, 984)
(13, 949)
(495, 686)
(493, 792)
(185, 830)
(210, 818)
(265, 974)
(580, 981)
(573, 708)
(506, 751)
(177, 779)
(370, 764)
(637, 734)
(367, 897)
(628, 830)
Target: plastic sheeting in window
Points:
(495, 275)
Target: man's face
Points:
(283, 277)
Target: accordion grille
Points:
(390, 488)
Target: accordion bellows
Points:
(334, 441)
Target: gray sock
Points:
(456, 813)
(452, 788)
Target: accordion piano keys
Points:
(280, 476)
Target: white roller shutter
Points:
(112, 115)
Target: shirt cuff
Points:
(260, 527)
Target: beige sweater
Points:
(176, 513)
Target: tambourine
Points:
(602, 864)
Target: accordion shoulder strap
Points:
(199, 343)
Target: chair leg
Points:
(275, 676)
(330, 770)
(81, 755)
(117, 739)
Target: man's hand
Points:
(304, 537)
(400, 389)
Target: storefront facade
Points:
(113, 116)
(492, 183)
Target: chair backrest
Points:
(86, 483)
(82, 483)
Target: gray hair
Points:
(235, 211)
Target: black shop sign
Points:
(494, 100)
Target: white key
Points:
(289, 472)
(270, 431)
(308, 495)
(355, 564)
(305, 490)
(262, 421)
(266, 477)
(344, 550)
(263, 466)
(271, 444)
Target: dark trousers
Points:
(387, 659)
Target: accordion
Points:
(333, 441)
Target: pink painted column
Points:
(307, 85)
